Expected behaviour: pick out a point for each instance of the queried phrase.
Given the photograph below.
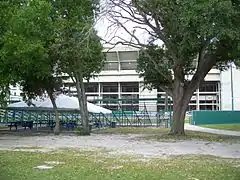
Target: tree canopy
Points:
(187, 37)
(25, 54)
(78, 48)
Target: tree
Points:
(78, 48)
(25, 53)
(7, 10)
(187, 37)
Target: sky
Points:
(107, 31)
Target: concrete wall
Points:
(226, 90)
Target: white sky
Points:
(107, 33)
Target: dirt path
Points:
(124, 144)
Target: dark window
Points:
(110, 87)
(110, 99)
(130, 87)
(208, 98)
(161, 98)
(191, 107)
(208, 107)
(112, 107)
(130, 108)
(208, 87)
(91, 87)
(130, 98)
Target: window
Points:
(130, 98)
(110, 98)
(161, 99)
(128, 65)
(207, 98)
(112, 107)
(130, 87)
(110, 87)
(162, 108)
(191, 107)
(128, 55)
(91, 87)
(209, 87)
(111, 57)
(130, 108)
(208, 107)
(14, 93)
(111, 66)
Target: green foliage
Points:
(7, 10)
(203, 31)
(77, 46)
(154, 67)
(25, 52)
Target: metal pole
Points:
(232, 87)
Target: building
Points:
(15, 93)
(119, 80)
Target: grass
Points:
(233, 127)
(97, 165)
(161, 134)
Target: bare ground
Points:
(121, 144)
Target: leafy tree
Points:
(7, 10)
(195, 36)
(26, 54)
(78, 48)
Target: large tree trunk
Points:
(57, 122)
(83, 106)
(179, 110)
(181, 98)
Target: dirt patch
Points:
(123, 144)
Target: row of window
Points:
(134, 87)
(121, 56)
(159, 107)
(116, 66)
(112, 87)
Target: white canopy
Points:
(24, 104)
(63, 101)
(18, 104)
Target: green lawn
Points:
(101, 166)
(234, 127)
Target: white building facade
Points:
(119, 80)
(119, 86)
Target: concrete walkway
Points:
(210, 130)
